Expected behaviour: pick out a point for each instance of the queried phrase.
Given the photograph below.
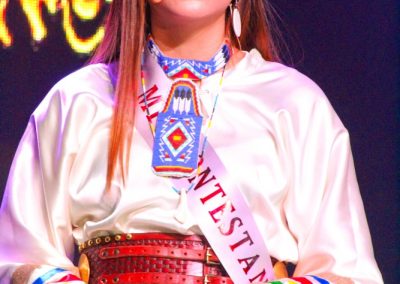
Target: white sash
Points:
(220, 209)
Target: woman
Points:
(122, 159)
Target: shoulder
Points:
(79, 100)
(282, 91)
(278, 85)
(286, 82)
(89, 83)
(92, 78)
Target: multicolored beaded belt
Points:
(150, 258)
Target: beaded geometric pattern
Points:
(177, 134)
(309, 279)
(190, 69)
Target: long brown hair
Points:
(126, 26)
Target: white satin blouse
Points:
(273, 129)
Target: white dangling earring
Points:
(236, 21)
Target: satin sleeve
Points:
(324, 209)
(34, 219)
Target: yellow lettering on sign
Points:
(32, 10)
(71, 12)
(86, 9)
(5, 36)
(78, 44)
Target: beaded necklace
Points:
(176, 150)
(189, 68)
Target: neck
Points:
(198, 40)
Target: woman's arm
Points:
(36, 233)
(324, 209)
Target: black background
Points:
(350, 48)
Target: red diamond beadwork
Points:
(177, 138)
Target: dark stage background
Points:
(350, 48)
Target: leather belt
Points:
(150, 258)
(157, 277)
(206, 255)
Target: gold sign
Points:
(71, 12)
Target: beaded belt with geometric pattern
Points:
(150, 258)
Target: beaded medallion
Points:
(177, 134)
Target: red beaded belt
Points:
(150, 258)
